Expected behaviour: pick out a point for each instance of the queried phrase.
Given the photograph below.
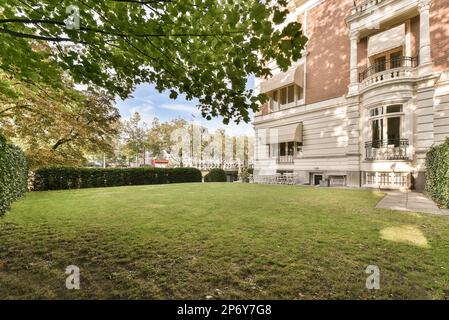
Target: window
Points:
(299, 92)
(274, 106)
(284, 96)
(298, 148)
(291, 94)
(383, 178)
(397, 179)
(376, 111)
(394, 130)
(291, 148)
(396, 60)
(370, 178)
(394, 109)
(387, 60)
(282, 149)
(288, 95)
(377, 128)
(380, 64)
(386, 126)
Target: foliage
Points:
(60, 178)
(135, 137)
(205, 49)
(58, 126)
(215, 175)
(13, 174)
(244, 174)
(160, 135)
(437, 173)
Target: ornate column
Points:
(425, 58)
(354, 75)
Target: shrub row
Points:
(215, 175)
(60, 178)
(13, 174)
(437, 173)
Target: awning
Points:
(286, 133)
(294, 75)
(386, 40)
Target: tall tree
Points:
(58, 129)
(135, 137)
(203, 48)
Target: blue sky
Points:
(150, 103)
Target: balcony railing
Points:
(392, 149)
(393, 65)
(390, 180)
(285, 159)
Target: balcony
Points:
(392, 149)
(396, 68)
(285, 159)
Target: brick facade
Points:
(439, 34)
(338, 118)
(328, 51)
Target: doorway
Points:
(317, 178)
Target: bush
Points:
(244, 174)
(60, 178)
(215, 175)
(13, 174)
(437, 173)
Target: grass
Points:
(220, 240)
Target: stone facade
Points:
(372, 105)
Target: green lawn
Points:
(221, 240)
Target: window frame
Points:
(277, 105)
(382, 116)
(387, 55)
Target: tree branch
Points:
(24, 106)
(62, 141)
(36, 37)
(88, 29)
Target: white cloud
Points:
(182, 108)
(145, 110)
(242, 129)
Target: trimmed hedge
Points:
(215, 175)
(437, 173)
(13, 174)
(61, 178)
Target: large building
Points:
(366, 101)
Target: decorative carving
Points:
(424, 5)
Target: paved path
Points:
(410, 201)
